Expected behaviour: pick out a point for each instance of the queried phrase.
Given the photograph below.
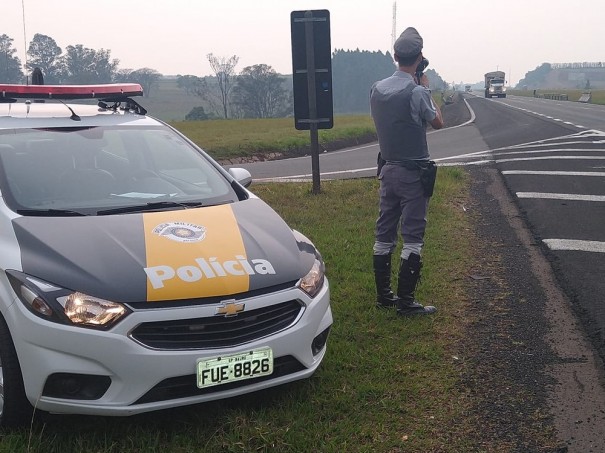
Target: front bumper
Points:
(141, 379)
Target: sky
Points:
(463, 39)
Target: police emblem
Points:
(181, 231)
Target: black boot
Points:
(409, 276)
(382, 274)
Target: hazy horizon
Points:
(461, 40)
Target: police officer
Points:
(401, 107)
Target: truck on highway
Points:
(494, 84)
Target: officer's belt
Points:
(409, 164)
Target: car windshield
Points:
(497, 82)
(100, 170)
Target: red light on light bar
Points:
(70, 91)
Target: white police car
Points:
(136, 273)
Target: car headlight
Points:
(64, 306)
(87, 310)
(314, 280)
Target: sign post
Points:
(312, 78)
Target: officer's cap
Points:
(409, 43)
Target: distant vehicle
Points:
(494, 84)
(467, 88)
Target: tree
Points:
(205, 88)
(146, 77)
(353, 73)
(189, 83)
(44, 53)
(435, 80)
(224, 70)
(10, 65)
(260, 93)
(536, 78)
(85, 66)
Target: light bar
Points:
(114, 90)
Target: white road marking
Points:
(554, 173)
(575, 245)
(472, 120)
(516, 159)
(560, 244)
(305, 177)
(560, 196)
(590, 133)
(462, 164)
(551, 143)
(555, 150)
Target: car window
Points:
(105, 167)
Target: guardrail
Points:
(554, 96)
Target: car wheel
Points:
(15, 409)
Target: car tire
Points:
(15, 409)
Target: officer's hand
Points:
(424, 81)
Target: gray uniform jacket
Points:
(400, 110)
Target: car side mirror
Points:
(241, 175)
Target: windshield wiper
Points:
(51, 212)
(152, 206)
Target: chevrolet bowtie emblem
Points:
(230, 308)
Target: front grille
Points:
(217, 331)
(186, 386)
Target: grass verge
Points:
(228, 139)
(386, 384)
(598, 96)
(262, 138)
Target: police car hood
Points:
(169, 255)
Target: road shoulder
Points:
(536, 379)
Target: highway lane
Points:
(501, 125)
(584, 116)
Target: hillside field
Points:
(168, 102)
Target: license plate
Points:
(234, 367)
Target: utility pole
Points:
(394, 30)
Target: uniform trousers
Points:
(403, 206)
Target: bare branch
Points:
(224, 70)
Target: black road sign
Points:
(312, 69)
